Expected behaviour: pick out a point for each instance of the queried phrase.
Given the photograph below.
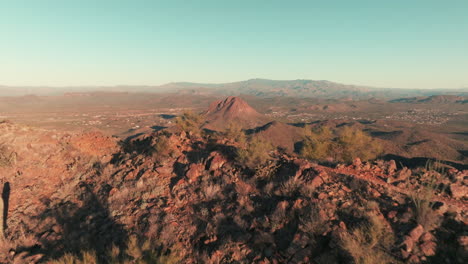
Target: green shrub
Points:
(190, 122)
(235, 133)
(318, 144)
(355, 143)
(255, 153)
(349, 143)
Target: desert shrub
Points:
(134, 252)
(190, 122)
(85, 257)
(7, 157)
(235, 133)
(322, 144)
(369, 243)
(355, 143)
(312, 223)
(291, 187)
(160, 147)
(424, 213)
(255, 152)
(428, 179)
(318, 143)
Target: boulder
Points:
(216, 161)
(416, 233)
(195, 170)
(428, 248)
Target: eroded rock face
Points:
(85, 192)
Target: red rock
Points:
(408, 243)
(217, 161)
(427, 237)
(391, 167)
(113, 191)
(346, 189)
(357, 162)
(316, 182)
(392, 214)
(416, 233)
(459, 191)
(428, 248)
(414, 259)
(195, 170)
(322, 196)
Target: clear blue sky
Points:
(409, 43)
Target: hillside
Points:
(436, 99)
(73, 195)
(299, 88)
(309, 88)
(232, 110)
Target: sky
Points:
(398, 44)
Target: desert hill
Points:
(71, 195)
(281, 135)
(437, 99)
(232, 109)
(308, 88)
(299, 88)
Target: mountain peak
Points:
(231, 106)
(233, 109)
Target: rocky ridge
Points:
(195, 202)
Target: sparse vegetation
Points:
(7, 157)
(369, 243)
(318, 144)
(355, 143)
(190, 122)
(322, 144)
(235, 133)
(134, 252)
(422, 199)
(255, 153)
(160, 147)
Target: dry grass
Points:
(135, 252)
(160, 148)
(370, 243)
(7, 157)
(430, 178)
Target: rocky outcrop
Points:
(196, 202)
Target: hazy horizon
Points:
(217, 83)
(398, 44)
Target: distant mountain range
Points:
(255, 87)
